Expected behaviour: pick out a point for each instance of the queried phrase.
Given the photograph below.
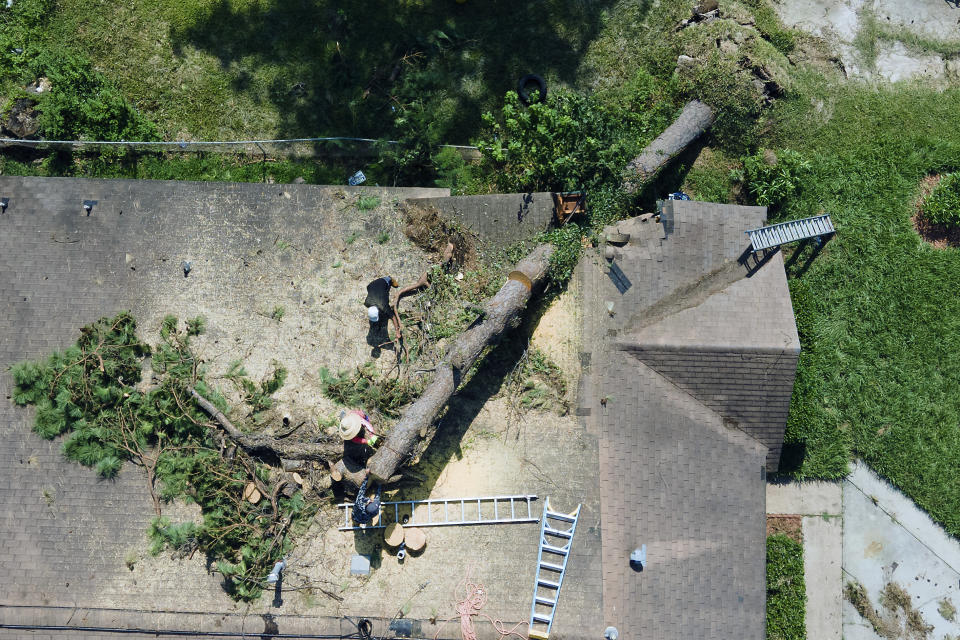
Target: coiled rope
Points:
(474, 597)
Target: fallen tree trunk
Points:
(260, 444)
(695, 118)
(418, 421)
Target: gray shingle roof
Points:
(696, 363)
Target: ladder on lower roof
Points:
(445, 512)
(556, 536)
(784, 232)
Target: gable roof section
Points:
(718, 331)
(696, 360)
(673, 476)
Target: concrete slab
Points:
(840, 22)
(888, 539)
(823, 575)
(905, 513)
(804, 498)
(896, 63)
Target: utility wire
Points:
(183, 144)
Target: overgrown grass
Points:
(202, 166)
(877, 310)
(786, 591)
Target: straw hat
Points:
(350, 426)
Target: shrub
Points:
(942, 206)
(83, 104)
(21, 32)
(786, 592)
(571, 141)
(772, 179)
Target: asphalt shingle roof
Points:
(695, 364)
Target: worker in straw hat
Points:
(355, 426)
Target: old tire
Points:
(525, 82)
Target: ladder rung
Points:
(557, 532)
(560, 550)
(539, 618)
(552, 567)
(548, 584)
(547, 602)
(561, 516)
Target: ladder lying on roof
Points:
(445, 512)
(778, 234)
(550, 572)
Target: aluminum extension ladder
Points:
(556, 536)
(784, 232)
(446, 512)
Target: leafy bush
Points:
(942, 206)
(772, 179)
(571, 141)
(21, 34)
(82, 104)
(786, 592)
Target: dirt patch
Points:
(430, 231)
(558, 336)
(790, 526)
(939, 236)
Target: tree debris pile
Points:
(91, 393)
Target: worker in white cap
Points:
(355, 426)
(378, 304)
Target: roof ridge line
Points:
(689, 295)
(723, 419)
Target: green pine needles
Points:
(91, 393)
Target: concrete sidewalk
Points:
(888, 539)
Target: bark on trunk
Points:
(260, 444)
(695, 118)
(418, 421)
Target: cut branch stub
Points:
(418, 421)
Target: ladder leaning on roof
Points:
(546, 590)
(791, 231)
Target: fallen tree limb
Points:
(260, 444)
(418, 421)
(695, 118)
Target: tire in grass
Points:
(526, 81)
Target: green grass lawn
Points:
(879, 309)
(302, 68)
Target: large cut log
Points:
(261, 444)
(695, 118)
(418, 421)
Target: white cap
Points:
(373, 313)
